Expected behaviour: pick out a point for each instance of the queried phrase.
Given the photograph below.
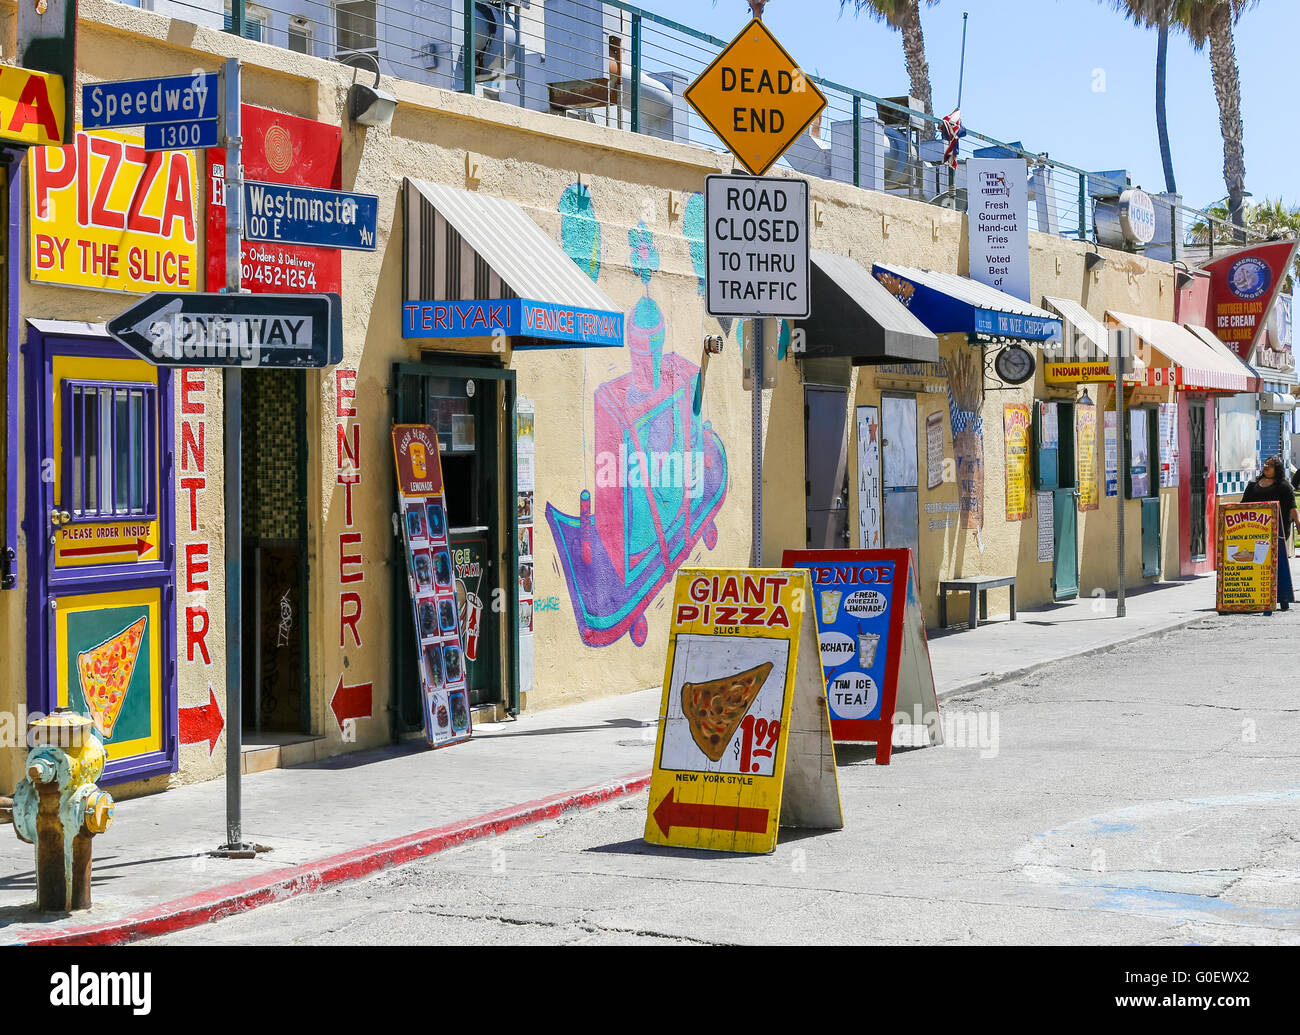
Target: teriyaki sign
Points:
(515, 318)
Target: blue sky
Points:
(1030, 72)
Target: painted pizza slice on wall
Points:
(106, 671)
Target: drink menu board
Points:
(871, 634)
(1247, 536)
(432, 582)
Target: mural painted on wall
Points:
(579, 229)
(660, 474)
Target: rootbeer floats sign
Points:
(872, 638)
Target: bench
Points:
(976, 586)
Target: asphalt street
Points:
(1148, 795)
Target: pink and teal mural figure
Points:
(660, 471)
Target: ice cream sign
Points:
(872, 639)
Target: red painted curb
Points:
(241, 896)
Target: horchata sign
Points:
(744, 740)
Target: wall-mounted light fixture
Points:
(369, 105)
(1093, 262)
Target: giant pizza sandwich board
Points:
(1246, 536)
(871, 631)
(744, 743)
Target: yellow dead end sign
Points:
(744, 741)
(755, 98)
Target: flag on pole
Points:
(953, 131)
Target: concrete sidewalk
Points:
(346, 816)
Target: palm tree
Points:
(1211, 21)
(1267, 221)
(1157, 14)
(905, 16)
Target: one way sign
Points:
(228, 330)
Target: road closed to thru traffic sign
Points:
(756, 237)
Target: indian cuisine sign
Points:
(1247, 535)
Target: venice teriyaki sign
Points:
(228, 330)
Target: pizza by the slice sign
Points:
(106, 672)
(715, 709)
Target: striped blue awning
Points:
(949, 304)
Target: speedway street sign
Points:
(229, 330)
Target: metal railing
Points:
(610, 62)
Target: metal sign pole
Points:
(232, 414)
(1120, 348)
(756, 515)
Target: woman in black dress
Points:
(1271, 487)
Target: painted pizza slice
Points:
(106, 672)
(714, 709)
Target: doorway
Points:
(276, 685)
(826, 482)
(102, 559)
(1055, 469)
(1198, 522)
(899, 474)
(466, 406)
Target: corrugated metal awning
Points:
(469, 248)
(1091, 340)
(854, 316)
(949, 304)
(1194, 358)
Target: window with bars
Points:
(110, 434)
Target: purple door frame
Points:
(44, 584)
(13, 249)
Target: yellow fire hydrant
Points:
(59, 808)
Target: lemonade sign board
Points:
(871, 633)
(1247, 536)
(744, 743)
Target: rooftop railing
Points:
(612, 63)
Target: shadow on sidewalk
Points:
(788, 835)
(416, 746)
